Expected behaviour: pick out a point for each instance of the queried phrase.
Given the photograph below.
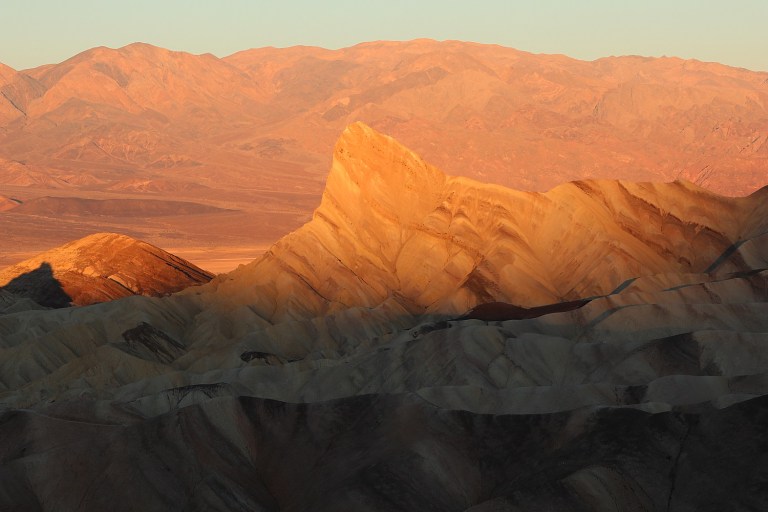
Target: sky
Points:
(36, 32)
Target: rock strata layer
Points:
(100, 268)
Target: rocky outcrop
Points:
(392, 227)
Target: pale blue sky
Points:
(734, 32)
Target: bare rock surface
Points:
(99, 268)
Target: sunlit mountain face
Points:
(215, 159)
(422, 342)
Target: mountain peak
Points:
(97, 268)
(370, 167)
(6, 72)
(392, 228)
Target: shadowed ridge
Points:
(41, 286)
(103, 267)
(11, 303)
(501, 311)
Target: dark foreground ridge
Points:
(501, 311)
(40, 286)
(388, 453)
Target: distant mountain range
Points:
(256, 128)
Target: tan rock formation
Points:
(390, 225)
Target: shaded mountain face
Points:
(256, 128)
(614, 358)
(99, 268)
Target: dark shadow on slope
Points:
(502, 311)
(41, 286)
(151, 344)
(725, 256)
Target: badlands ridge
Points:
(365, 362)
(99, 268)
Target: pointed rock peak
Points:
(376, 169)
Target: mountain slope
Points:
(392, 226)
(533, 121)
(98, 268)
